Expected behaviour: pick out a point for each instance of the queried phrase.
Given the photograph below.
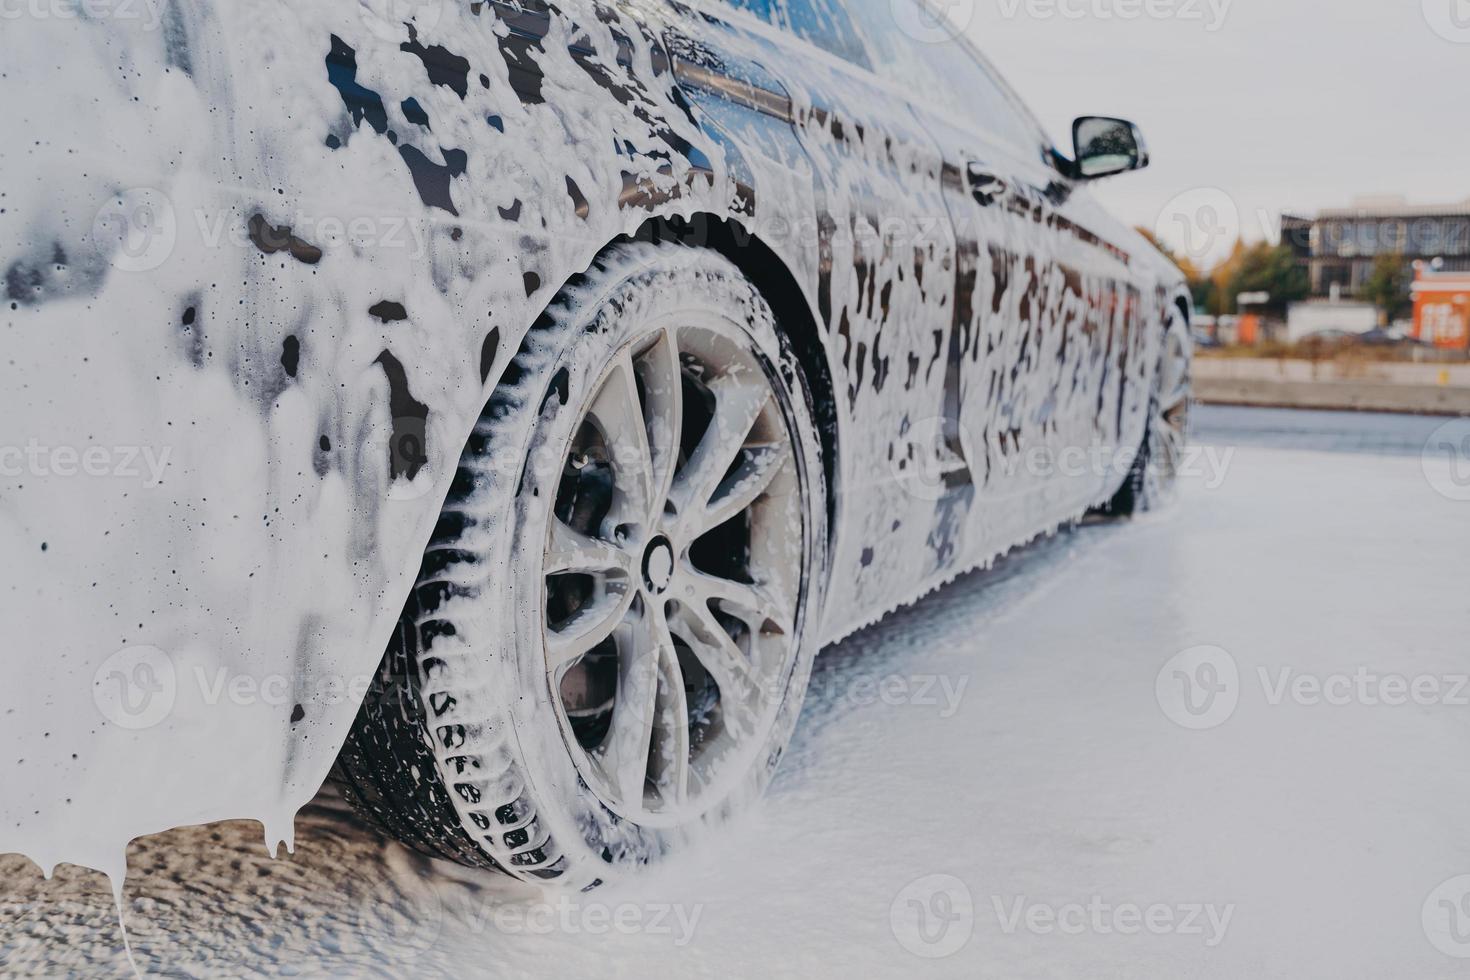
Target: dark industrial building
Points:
(1338, 247)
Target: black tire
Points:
(453, 753)
(1154, 471)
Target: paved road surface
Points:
(1223, 741)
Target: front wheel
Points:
(612, 632)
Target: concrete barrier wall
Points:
(1379, 372)
(1344, 395)
(1428, 389)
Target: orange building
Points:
(1442, 308)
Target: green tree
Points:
(1265, 268)
(1388, 286)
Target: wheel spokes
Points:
(572, 551)
(726, 663)
(663, 399)
(745, 598)
(669, 763)
(738, 403)
(619, 572)
(644, 643)
(752, 477)
(618, 414)
(589, 626)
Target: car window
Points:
(825, 23)
(916, 49)
(764, 9)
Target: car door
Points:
(884, 281)
(1046, 310)
(984, 141)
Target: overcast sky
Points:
(1255, 106)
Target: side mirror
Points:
(1104, 147)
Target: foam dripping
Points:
(117, 878)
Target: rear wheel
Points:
(1155, 470)
(613, 628)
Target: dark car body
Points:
(353, 216)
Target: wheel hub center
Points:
(658, 565)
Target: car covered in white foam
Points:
(497, 405)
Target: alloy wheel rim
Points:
(1171, 421)
(672, 573)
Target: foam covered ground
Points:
(1019, 732)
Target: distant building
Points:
(1338, 247)
(1442, 308)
